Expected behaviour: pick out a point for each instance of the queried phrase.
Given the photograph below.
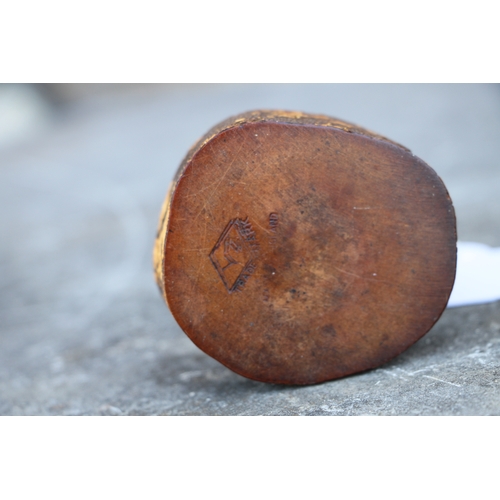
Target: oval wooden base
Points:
(297, 249)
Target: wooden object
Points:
(297, 248)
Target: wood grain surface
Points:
(297, 248)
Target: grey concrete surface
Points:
(83, 329)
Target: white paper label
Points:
(478, 274)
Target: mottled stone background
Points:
(83, 329)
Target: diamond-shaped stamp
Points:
(235, 254)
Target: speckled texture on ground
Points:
(83, 328)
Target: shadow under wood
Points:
(199, 372)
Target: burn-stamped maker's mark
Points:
(235, 254)
(273, 226)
